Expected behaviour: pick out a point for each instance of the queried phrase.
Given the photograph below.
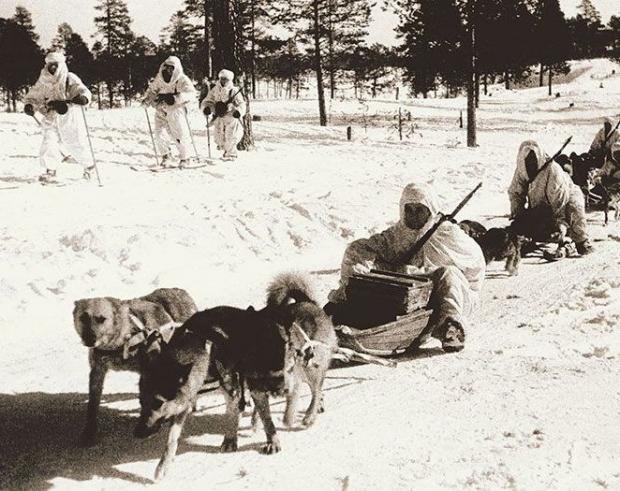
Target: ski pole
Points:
(90, 144)
(148, 120)
(191, 135)
(208, 137)
(64, 155)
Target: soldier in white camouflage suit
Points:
(225, 102)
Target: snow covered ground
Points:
(532, 403)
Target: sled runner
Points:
(385, 312)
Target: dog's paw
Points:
(308, 420)
(272, 447)
(229, 444)
(288, 420)
(161, 471)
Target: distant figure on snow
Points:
(553, 199)
(603, 141)
(54, 95)
(453, 260)
(169, 94)
(227, 105)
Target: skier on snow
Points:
(453, 260)
(55, 95)
(549, 192)
(169, 94)
(227, 105)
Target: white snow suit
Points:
(228, 129)
(611, 167)
(60, 131)
(170, 122)
(596, 148)
(552, 188)
(452, 258)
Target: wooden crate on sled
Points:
(385, 312)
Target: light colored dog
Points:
(118, 334)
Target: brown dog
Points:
(272, 350)
(311, 327)
(117, 333)
(497, 244)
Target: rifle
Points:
(551, 159)
(443, 218)
(224, 104)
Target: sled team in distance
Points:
(59, 96)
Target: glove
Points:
(61, 107)
(167, 98)
(80, 100)
(206, 110)
(29, 110)
(236, 114)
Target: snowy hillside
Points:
(533, 402)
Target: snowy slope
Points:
(532, 403)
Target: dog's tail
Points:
(288, 288)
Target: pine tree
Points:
(614, 26)
(23, 18)
(516, 41)
(347, 25)
(373, 68)
(585, 31)
(143, 63)
(589, 12)
(553, 38)
(21, 59)
(202, 10)
(433, 47)
(114, 28)
(59, 43)
(181, 38)
(80, 60)
(415, 44)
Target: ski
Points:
(167, 169)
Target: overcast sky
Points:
(149, 21)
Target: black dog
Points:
(497, 244)
(271, 350)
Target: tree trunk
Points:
(332, 76)
(486, 84)
(477, 85)
(541, 79)
(253, 50)
(471, 81)
(317, 63)
(507, 80)
(550, 77)
(207, 40)
(110, 94)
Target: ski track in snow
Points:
(532, 403)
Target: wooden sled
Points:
(385, 312)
